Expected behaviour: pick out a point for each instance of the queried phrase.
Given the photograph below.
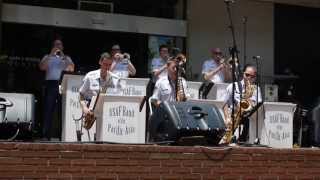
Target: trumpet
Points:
(122, 56)
(229, 62)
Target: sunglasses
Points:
(249, 75)
(218, 53)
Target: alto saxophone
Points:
(245, 105)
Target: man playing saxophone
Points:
(243, 103)
(96, 82)
(166, 88)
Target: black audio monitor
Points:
(173, 121)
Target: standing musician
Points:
(121, 64)
(97, 81)
(159, 65)
(166, 87)
(244, 105)
(215, 69)
(53, 64)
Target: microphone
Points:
(256, 57)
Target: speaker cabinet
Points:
(176, 121)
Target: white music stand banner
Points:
(71, 110)
(218, 91)
(119, 119)
(275, 128)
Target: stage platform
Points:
(142, 162)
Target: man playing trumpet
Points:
(121, 64)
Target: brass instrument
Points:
(181, 60)
(245, 105)
(90, 118)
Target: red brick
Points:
(150, 177)
(250, 177)
(171, 163)
(171, 177)
(181, 156)
(62, 162)
(138, 155)
(128, 177)
(71, 154)
(46, 169)
(8, 146)
(296, 171)
(160, 156)
(182, 170)
(93, 155)
(269, 177)
(191, 163)
(116, 155)
(259, 170)
(60, 176)
(239, 157)
(191, 177)
(10, 160)
(162, 170)
(17, 168)
(73, 170)
(221, 171)
(212, 164)
(240, 171)
(286, 177)
(35, 161)
(106, 177)
(94, 169)
(231, 177)
(232, 164)
(83, 162)
(201, 170)
(211, 177)
(277, 171)
(305, 177)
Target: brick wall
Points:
(117, 162)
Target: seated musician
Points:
(248, 101)
(165, 88)
(214, 69)
(97, 81)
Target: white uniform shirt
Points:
(210, 65)
(121, 68)
(156, 64)
(56, 64)
(228, 96)
(164, 90)
(93, 83)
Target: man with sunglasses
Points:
(249, 75)
(214, 69)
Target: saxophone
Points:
(180, 94)
(245, 105)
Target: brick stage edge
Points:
(117, 162)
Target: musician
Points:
(159, 65)
(98, 81)
(214, 69)
(121, 64)
(53, 64)
(165, 88)
(249, 78)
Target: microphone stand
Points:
(235, 70)
(257, 140)
(244, 21)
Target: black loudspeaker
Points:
(177, 121)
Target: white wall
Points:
(208, 27)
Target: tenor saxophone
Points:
(245, 105)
